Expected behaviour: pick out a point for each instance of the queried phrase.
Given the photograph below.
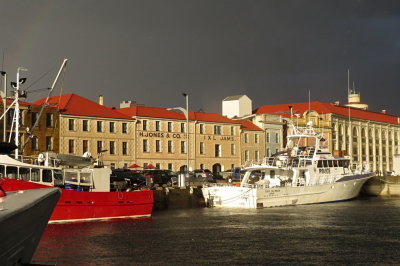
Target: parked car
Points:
(390, 173)
(159, 177)
(236, 174)
(131, 178)
(204, 174)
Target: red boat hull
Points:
(85, 206)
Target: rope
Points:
(36, 81)
(388, 182)
(238, 195)
(41, 110)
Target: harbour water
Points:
(365, 231)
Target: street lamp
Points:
(186, 113)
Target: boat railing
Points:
(37, 161)
(288, 161)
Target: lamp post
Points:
(186, 113)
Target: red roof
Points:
(326, 108)
(157, 112)
(72, 104)
(248, 125)
(10, 101)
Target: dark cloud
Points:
(152, 51)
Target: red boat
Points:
(86, 193)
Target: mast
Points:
(64, 63)
(16, 111)
(4, 74)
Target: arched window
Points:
(355, 134)
(363, 133)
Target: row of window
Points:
(112, 148)
(257, 138)
(247, 155)
(257, 154)
(28, 174)
(218, 130)
(49, 144)
(34, 117)
(378, 133)
(100, 126)
(183, 147)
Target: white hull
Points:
(261, 197)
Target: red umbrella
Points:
(134, 166)
(150, 166)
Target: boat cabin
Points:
(14, 169)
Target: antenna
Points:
(309, 104)
(348, 82)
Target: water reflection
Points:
(363, 231)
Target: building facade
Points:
(38, 128)
(252, 144)
(166, 140)
(88, 127)
(365, 136)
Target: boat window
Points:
(326, 163)
(71, 176)
(58, 178)
(255, 175)
(85, 178)
(11, 172)
(346, 163)
(272, 173)
(35, 175)
(335, 163)
(2, 171)
(47, 176)
(330, 163)
(320, 164)
(24, 173)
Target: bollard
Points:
(181, 180)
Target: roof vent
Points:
(383, 111)
(337, 103)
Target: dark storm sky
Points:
(151, 51)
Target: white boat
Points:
(23, 218)
(304, 173)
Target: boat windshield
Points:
(58, 178)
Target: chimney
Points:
(383, 111)
(101, 99)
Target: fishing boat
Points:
(23, 218)
(88, 191)
(304, 173)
